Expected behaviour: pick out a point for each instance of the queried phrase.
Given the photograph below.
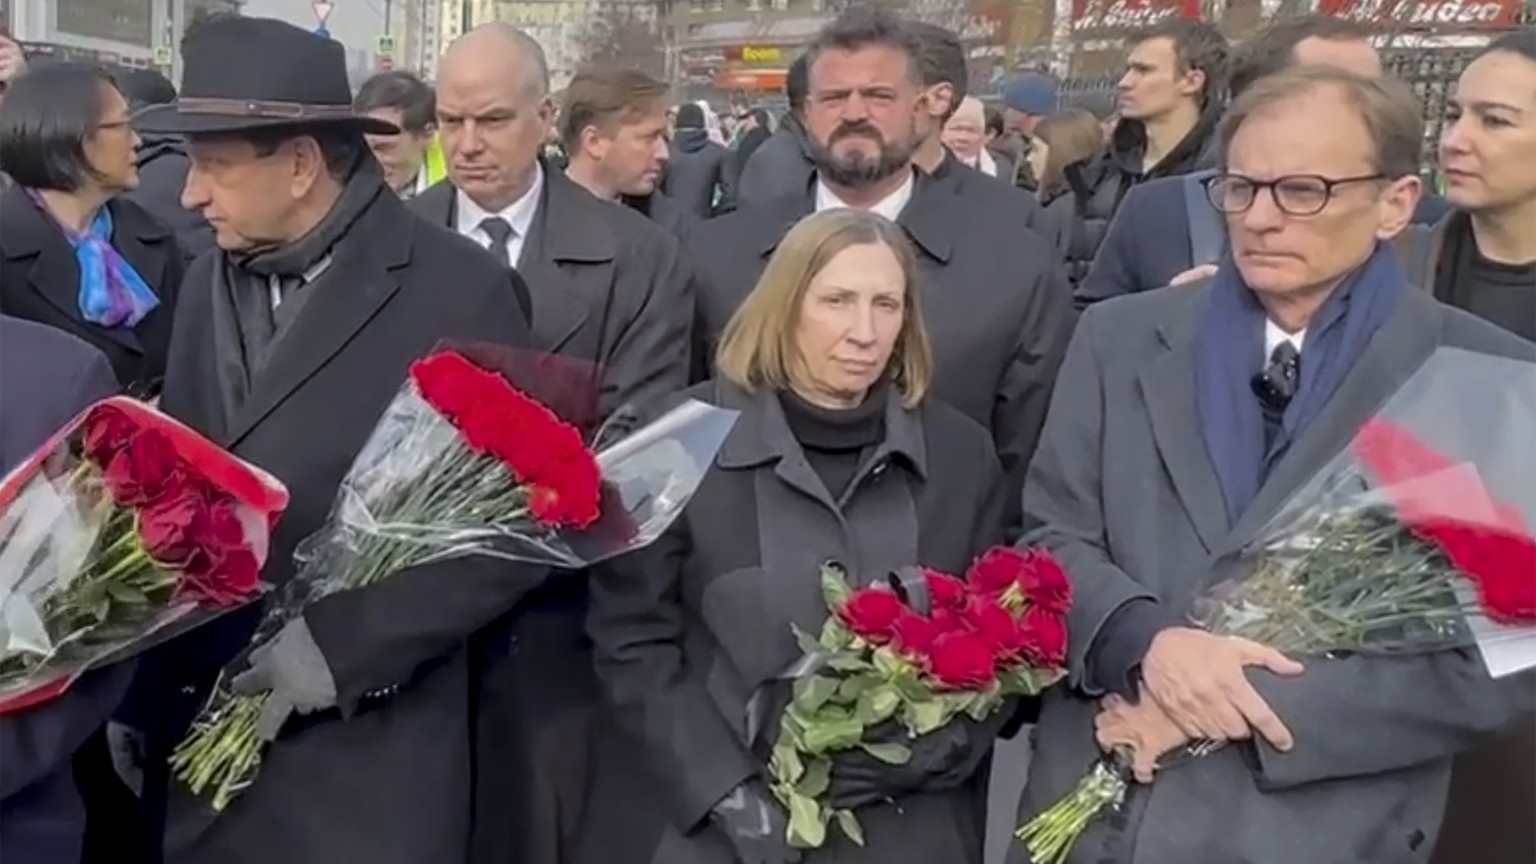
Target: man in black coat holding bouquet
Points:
(298, 333)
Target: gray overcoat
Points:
(686, 631)
(1123, 490)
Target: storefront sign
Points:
(1427, 14)
(1090, 15)
(764, 54)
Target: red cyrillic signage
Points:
(1427, 14)
(1128, 14)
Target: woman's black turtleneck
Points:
(836, 441)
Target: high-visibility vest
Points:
(436, 166)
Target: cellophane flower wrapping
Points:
(123, 530)
(462, 463)
(993, 636)
(1415, 538)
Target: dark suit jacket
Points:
(46, 378)
(1124, 493)
(393, 783)
(998, 311)
(40, 281)
(607, 285)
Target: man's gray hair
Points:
(1386, 106)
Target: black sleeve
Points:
(636, 622)
(378, 637)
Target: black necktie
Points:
(500, 231)
(1276, 385)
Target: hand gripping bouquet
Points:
(1417, 538)
(884, 657)
(461, 464)
(123, 530)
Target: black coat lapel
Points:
(1397, 350)
(1168, 390)
(436, 204)
(569, 236)
(55, 274)
(358, 282)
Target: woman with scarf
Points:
(73, 254)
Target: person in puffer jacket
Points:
(1170, 100)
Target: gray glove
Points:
(125, 744)
(294, 671)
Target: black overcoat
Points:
(40, 281)
(997, 306)
(686, 630)
(391, 784)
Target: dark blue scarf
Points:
(1230, 351)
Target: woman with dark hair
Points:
(840, 453)
(73, 254)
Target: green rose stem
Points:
(119, 588)
(1364, 583)
(222, 752)
(1050, 836)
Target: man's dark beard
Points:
(855, 170)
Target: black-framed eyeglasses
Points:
(1294, 194)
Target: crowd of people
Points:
(943, 326)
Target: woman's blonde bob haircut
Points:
(757, 348)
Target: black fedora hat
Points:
(257, 73)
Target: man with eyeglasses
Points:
(1181, 424)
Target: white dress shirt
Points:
(519, 214)
(890, 206)
(1274, 335)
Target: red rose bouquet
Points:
(997, 634)
(122, 531)
(463, 463)
(1396, 547)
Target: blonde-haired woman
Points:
(1062, 146)
(838, 455)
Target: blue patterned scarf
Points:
(112, 293)
(1230, 351)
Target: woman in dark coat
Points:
(836, 455)
(74, 255)
(1063, 146)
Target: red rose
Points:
(106, 431)
(961, 661)
(143, 470)
(166, 526)
(871, 613)
(913, 635)
(1002, 633)
(221, 580)
(1498, 562)
(1044, 581)
(996, 571)
(945, 591)
(1045, 637)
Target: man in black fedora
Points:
(297, 334)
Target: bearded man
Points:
(998, 312)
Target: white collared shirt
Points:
(1274, 335)
(890, 206)
(519, 214)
